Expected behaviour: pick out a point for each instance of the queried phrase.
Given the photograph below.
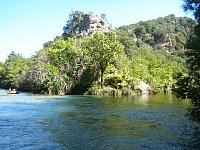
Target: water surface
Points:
(30, 122)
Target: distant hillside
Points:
(168, 32)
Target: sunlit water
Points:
(29, 122)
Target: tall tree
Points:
(189, 86)
(194, 7)
(13, 70)
(69, 58)
(103, 48)
(1, 72)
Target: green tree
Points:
(139, 31)
(148, 39)
(194, 7)
(128, 40)
(73, 24)
(153, 32)
(188, 86)
(103, 48)
(1, 72)
(71, 60)
(13, 71)
(67, 56)
(38, 73)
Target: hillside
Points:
(170, 33)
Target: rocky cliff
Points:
(92, 23)
(86, 25)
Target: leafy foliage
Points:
(103, 63)
(155, 32)
(188, 86)
(14, 70)
(103, 49)
(73, 24)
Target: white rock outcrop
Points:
(143, 87)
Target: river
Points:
(29, 122)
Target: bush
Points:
(109, 91)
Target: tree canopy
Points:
(169, 32)
(188, 86)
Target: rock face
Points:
(168, 43)
(144, 88)
(87, 25)
(92, 23)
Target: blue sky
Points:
(26, 24)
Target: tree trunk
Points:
(101, 77)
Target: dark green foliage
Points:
(1, 73)
(103, 49)
(154, 32)
(88, 77)
(188, 86)
(14, 71)
(194, 7)
(73, 24)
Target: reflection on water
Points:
(86, 122)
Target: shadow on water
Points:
(190, 136)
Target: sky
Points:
(25, 25)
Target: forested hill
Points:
(169, 32)
(91, 57)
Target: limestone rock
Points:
(89, 24)
(143, 87)
(92, 23)
(168, 43)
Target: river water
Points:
(29, 122)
